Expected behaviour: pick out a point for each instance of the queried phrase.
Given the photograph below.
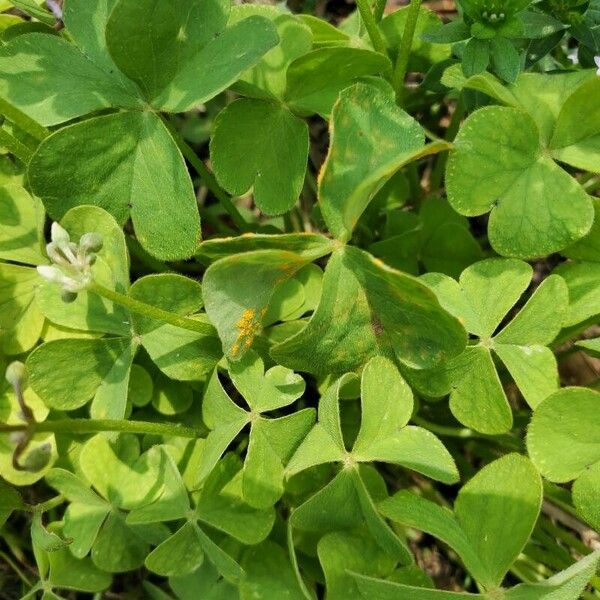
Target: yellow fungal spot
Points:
(248, 326)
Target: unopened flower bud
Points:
(59, 235)
(16, 374)
(38, 458)
(67, 297)
(91, 242)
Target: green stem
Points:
(379, 9)
(48, 504)
(505, 441)
(208, 178)
(371, 25)
(23, 121)
(405, 47)
(15, 147)
(80, 426)
(152, 312)
(459, 432)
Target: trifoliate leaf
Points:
(498, 165)
(486, 292)
(271, 442)
(383, 436)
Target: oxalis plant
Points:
(298, 306)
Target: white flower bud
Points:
(16, 374)
(91, 242)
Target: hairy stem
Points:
(23, 121)
(379, 9)
(371, 26)
(48, 504)
(76, 426)
(208, 178)
(15, 147)
(152, 311)
(405, 47)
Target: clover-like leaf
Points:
(368, 308)
(485, 293)
(515, 149)
(261, 144)
(371, 139)
(493, 517)
(272, 440)
(122, 479)
(384, 436)
(219, 505)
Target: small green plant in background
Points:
(292, 306)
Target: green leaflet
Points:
(494, 515)
(22, 218)
(584, 293)
(267, 78)
(21, 241)
(315, 79)
(140, 174)
(276, 171)
(563, 449)
(355, 320)
(364, 153)
(263, 263)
